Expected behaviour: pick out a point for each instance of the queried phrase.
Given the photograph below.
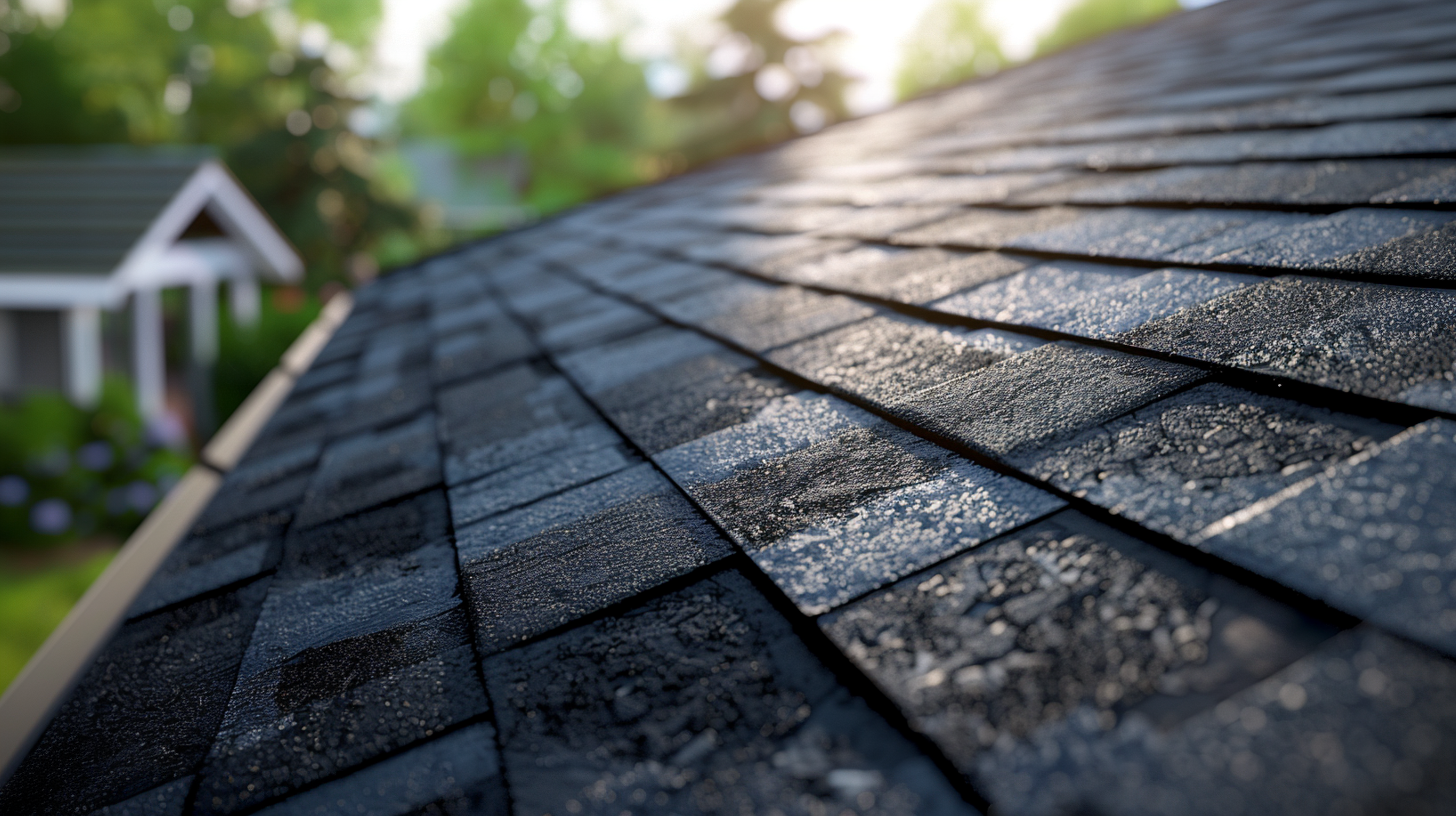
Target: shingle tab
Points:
(1369, 706)
(382, 653)
(503, 419)
(1020, 406)
(1182, 463)
(458, 773)
(907, 276)
(832, 503)
(1062, 619)
(371, 468)
(1372, 536)
(1337, 236)
(549, 563)
(578, 730)
(1382, 341)
(1045, 296)
(122, 733)
(885, 359)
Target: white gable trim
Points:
(211, 188)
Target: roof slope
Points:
(80, 211)
(1078, 440)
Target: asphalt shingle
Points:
(549, 563)
(700, 702)
(1059, 620)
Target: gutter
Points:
(44, 684)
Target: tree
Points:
(255, 85)
(757, 86)
(513, 80)
(1093, 18)
(950, 44)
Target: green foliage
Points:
(131, 71)
(512, 80)
(731, 112)
(33, 602)
(248, 353)
(67, 472)
(1093, 18)
(949, 45)
(350, 21)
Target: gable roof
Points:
(106, 218)
(1076, 440)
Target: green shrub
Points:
(68, 472)
(247, 354)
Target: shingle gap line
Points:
(1262, 382)
(1288, 595)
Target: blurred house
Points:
(89, 241)
(468, 193)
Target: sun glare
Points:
(874, 34)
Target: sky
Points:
(876, 32)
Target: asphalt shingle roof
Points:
(79, 211)
(1077, 440)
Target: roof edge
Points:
(32, 699)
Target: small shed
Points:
(90, 238)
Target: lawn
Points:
(34, 599)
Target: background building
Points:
(92, 240)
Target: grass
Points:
(34, 600)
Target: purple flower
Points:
(166, 430)
(95, 456)
(13, 491)
(50, 517)
(141, 496)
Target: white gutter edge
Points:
(42, 686)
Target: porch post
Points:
(83, 355)
(148, 352)
(246, 300)
(202, 320)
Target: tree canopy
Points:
(512, 79)
(756, 85)
(269, 89)
(950, 44)
(1093, 18)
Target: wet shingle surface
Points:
(1183, 463)
(1075, 441)
(1021, 405)
(554, 561)
(1373, 536)
(457, 774)
(701, 702)
(1390, 342)
(884, 359)
(1065, 617)
(1363, 722)
(145, 712)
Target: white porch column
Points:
(149, 355)
(83, 355)
(203, 321)
(245, 299)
